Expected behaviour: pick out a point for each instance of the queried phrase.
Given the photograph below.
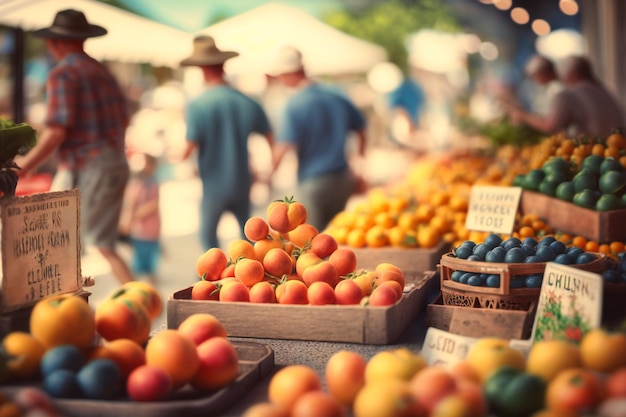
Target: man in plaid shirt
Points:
(86, 120)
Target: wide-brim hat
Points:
(70, 24)
(286, 60)
(206, 52)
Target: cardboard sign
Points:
(570, 304)
(40, 247)
(493, 209)
(444, 348)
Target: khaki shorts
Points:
(101, 184)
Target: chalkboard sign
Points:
(493, 209)
(570, 304)
(40, 247)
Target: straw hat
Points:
(70, 24)
(286, 60)
(205, 52)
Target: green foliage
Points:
(501, 131)
(14, 139)
(389, 23)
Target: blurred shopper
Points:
(542, 72)
(406, 103)
(141, 218)
(584, 107)
(86, 120)
(316, 124)
(219, 122)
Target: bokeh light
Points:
(520, 15)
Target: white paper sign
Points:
(570, 304)
(40, 247)
(493, 209)
(444, 348)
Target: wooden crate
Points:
(601, 226)
(480, 322)
(333, 323)
(414, 262)
(502, 297)
(256, 361)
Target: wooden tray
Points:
(601, 226)
(256, 361)
(333, 323)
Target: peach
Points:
(344, 375)
(323, 245)
(204, 290)
(149, 383)
(146, 294)
(240, 248)
(276, 215)
(393, 284)
(344, 260)
(218, 364)
(383, 295)
(211, 263)
(365, 280)
(126, 353)
(229, 271)
(199, 327)
(277, 262)
(256, 228)
(120, 318)
(322, 271)
(302, 235)
(234, 291)
(321, 293)
(175, 353)
(347, 292)
(249, 271)
(431, 385)
(318, 404)
(261, 247)
(292, 292)
(262, 292)
(305, 260)
(389, 274)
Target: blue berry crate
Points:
(508, 274)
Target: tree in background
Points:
(389, 23)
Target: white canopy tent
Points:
(257, 33)
(130, 38)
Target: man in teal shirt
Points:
(219, 122)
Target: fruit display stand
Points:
(601, 226)
(483, 311)
(256, 361)
(331, 323)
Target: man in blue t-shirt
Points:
(316, 124)
(219, 122)
(407, 102)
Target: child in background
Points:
(141, 220)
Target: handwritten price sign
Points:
(493, 209)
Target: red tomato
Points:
(574, 390)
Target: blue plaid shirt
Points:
(85, 98)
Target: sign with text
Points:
(493, 208)
(444, 348)
(570, 304)
(40, 247)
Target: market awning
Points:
(257, 33)
(131, 38)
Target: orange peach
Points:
(383, 295)
(305, 260)
(322, 271)
(240, 248)
(261, 247)
(126, 353)
(348, 292)
(262, 292)
(199, 327)
(344, 260)
(277, 262)
(249, 271)
(120, 317)
(175, 353)
(321, 293)
(146, 294)
(211, 263)
(292, 292)
(204, 290)
(234, 291)
(344, 375)
(218, 364)
(323, 245)
(302, 235)
(431, 385)
(256, 228)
